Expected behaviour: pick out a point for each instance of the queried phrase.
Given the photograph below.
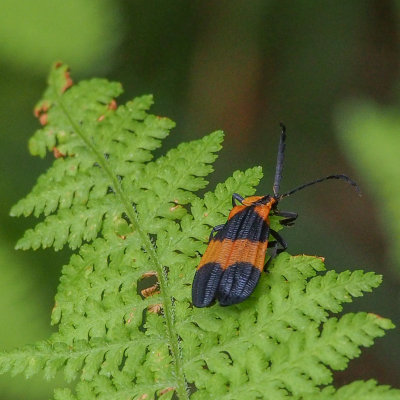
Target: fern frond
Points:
(126, 325)
(55, 189)
(75, 194)
(368, 390)
(308, 354)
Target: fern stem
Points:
(181, 387)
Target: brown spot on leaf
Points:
(307, 255)
(172, 209)
(43, 119)
(40, 112)
(128, 321)
(376, 315)
(166, 390)
(42, 109)
(112, 105)
(57, 153)
(155, 308)
(68, 81)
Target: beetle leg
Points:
(273, 252)
(237, 197)
(279, 240)
(289, 216)
(215, 229)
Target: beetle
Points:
(235, 257)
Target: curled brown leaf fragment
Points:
(150, 291)
(155, 308)
(40, 112)
(148, 274)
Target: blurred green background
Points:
(327, 69)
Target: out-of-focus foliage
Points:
(370, 135)
(33, 34)
(21, 319)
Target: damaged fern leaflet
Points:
(126, 325)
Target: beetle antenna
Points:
(279, 160)
(343, 177)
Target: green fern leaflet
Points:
(126, 326)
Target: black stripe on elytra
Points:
(205, 284)
(246, 224)
(237, 283)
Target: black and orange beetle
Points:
(235, 257)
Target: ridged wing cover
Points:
(234, 259)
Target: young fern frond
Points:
(126, 325)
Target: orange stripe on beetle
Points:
(227, 252)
